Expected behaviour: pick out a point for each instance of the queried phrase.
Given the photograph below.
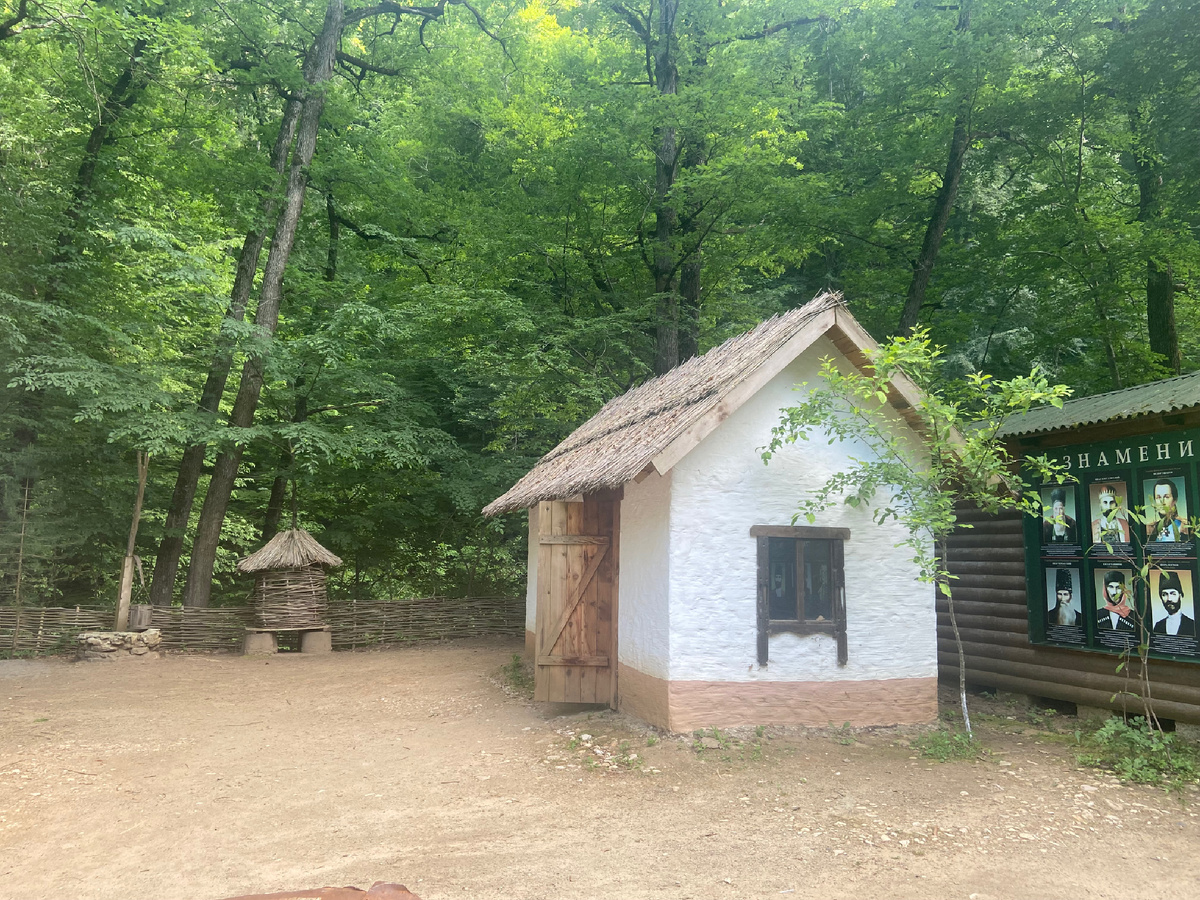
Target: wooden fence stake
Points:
(122, 619)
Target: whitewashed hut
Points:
(666, 579)
(289, 581)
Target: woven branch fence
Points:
(363, 624)
(46, 629)
(424, 618)
(201, 629)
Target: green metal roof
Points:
(1164, 396)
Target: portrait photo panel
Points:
(1064, 603)
(1109, 528)
(1165, 497)
(1060, 521)
(1173, 608)
(1115, 606)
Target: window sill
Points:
(786, 626)
(801, 532)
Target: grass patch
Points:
(944, 745)
(725, 747)
(1135, 752)
(517, 675)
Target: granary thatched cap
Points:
(291, 549)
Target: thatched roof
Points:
(291, 549)
(657, 423)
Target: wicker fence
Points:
(424, 618)
(46, 629)
(201, 629)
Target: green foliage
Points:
(1137, 752)
(958, 458)
(489, 287)
(944, 745)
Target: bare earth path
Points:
(199, 777)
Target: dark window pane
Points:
(781, 575)
(818, 582)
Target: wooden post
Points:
(122, 618)
(20, 569)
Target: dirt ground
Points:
(200, 777)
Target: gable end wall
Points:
(718, 492)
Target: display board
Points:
(1085, 554)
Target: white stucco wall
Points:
(644, 579)
(531, 566)
(722, 488)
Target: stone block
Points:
(114, 645)
(316, 642)
(259, 643)
(1188, 731)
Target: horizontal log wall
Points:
(50, 630)
(991, 607)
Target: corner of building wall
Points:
(635, 493)
(643, 696)
(531, 564)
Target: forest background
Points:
(388, 255)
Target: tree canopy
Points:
(374, 259)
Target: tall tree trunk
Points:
(666, 167)
(318, 68)
(8, 27)
(1160, 314)
(278, 496)
(170, 548)
(335, 231)
(689, 307)
(943, 205)
(287, 458)
(121, 97)
(1160, 277)
(125, 91)
(287, 469)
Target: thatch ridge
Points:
(616, 444)
(291, 549)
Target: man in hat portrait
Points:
(1170, 593)
(1115, 612)
(1112, 525)
(1058, 527)
(1063, 613)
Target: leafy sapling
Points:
(961, 459)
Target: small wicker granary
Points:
(289, 580)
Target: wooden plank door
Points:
(577, 592)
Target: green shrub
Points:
(1134, 751)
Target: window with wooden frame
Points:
(801, 583)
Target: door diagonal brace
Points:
(553, 634)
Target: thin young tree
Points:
(961, 460)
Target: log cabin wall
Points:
(992, 610)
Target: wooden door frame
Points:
(546, 633)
